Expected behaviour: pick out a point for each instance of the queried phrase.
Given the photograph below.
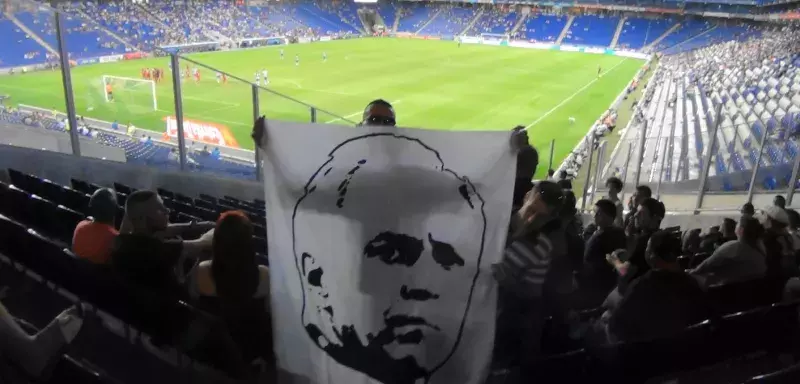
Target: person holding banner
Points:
(536, 240)
(398, 289)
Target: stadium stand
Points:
(414, 17)
(327, 18)
(543, 27)
(748, 330)
(126, 20)
(639, 32)
(388, 13)
(758, 90)
(688, 29)
(21, 49)
(592, 30)
(450, 21)
(495, 20)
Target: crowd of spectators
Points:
(623, 262)
(494, 19)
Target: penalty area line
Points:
(570, 97)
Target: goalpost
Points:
(133, 88)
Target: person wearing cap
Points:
(661, 302)
(781, 261)
(92, 238)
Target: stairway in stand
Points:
(435, 15)
(30, 33)
(565, 30)
(620, 25)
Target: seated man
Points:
(598, 277)
(663, 301)
(93, 238)
(738, 260)
(145, 254)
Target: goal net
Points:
(133, 92)
(495, 36)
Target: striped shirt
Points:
(524, 266)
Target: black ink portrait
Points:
(387, 263)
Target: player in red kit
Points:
(144, 75)
(224, 78)
(196, 76)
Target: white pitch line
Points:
(559, 105)
(358, 113)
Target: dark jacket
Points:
(659, 303)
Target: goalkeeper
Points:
(109, 92)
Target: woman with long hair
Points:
(234, 287)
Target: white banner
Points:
(381, 241)
(110, 59)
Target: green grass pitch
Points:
(433, 84)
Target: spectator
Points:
(779, 201)
(781, 261)
(632, 263)
(794, 228)
(662, 302)
(527, 162)
(614, 185)
(690, 242)
(748, 210)
(233, 286)
(379, 113)
(598, 277)
(521, 273)
(34, 354)
(115, 125)
(215, 153)
(146, 253)
(93, 238)
(739, 260)
(560, 280)
(563, 182)
(642, 192)
(716, 237)
(173, 155)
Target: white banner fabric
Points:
(380, 243)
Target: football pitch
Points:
(433, 84)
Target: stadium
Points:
(688, 111)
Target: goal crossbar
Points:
(151, 83)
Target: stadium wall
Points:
(43, 140)
(60, 167)
(234, 154)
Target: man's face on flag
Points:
(394, 269)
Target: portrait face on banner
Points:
(387, 286)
